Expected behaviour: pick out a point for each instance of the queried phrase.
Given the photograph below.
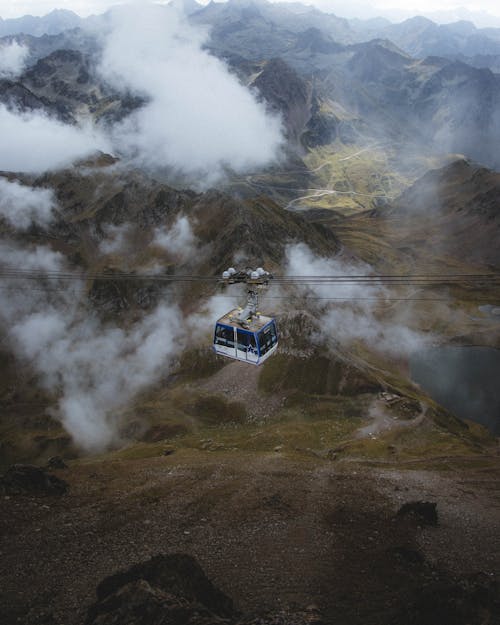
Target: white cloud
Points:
(116, 239)
(201, 324)
(94, 369)
(33, 142)
(38, 258)
(353, 313)
(12, 59)
(22, 206)
(178, 240)
(199, 119)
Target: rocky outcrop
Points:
(166, 589)
(17, 97)
(422, 512)
(286, 93)
(174, 590)
(56, 462)
(26, 479)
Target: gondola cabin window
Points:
(267, 338)
(224, 335)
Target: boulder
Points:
(26, 479)
(56, 462)
(167, 589)
(174, 590)
(422, 512)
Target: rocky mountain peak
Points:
(287, 94)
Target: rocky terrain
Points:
(284, 539)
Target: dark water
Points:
(465, 380)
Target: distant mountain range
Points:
(53, 23)
(418, 36)
(327, 85)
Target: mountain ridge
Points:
(418, 36)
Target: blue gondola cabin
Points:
(252, 342)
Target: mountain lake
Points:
(464, 380)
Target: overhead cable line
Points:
(11, 273)
(284, 297)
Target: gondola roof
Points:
(254, 325)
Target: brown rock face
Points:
(163, 590)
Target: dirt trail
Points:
(238, 381)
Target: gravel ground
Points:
(245, 378)
(269, 530)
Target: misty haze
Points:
(249, 315)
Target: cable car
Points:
(245, 334)
(253, 343)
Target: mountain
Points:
(252, 20)
(441, 103)
(432, 101)
(54, 23)
(452, 213)
(65, 85)
(17, 97)
(68, 79)
(77, 39)
(420, 37)
(459, 204)
(287, 94)
(264, 29)
(327, 485)
(292, 17)
(372, 88)
(98, 199)
(255, 228)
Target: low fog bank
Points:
(353, 312)
(12, 59)
(21, 206)
(34, 142)
(178, 240)
(93, 369)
